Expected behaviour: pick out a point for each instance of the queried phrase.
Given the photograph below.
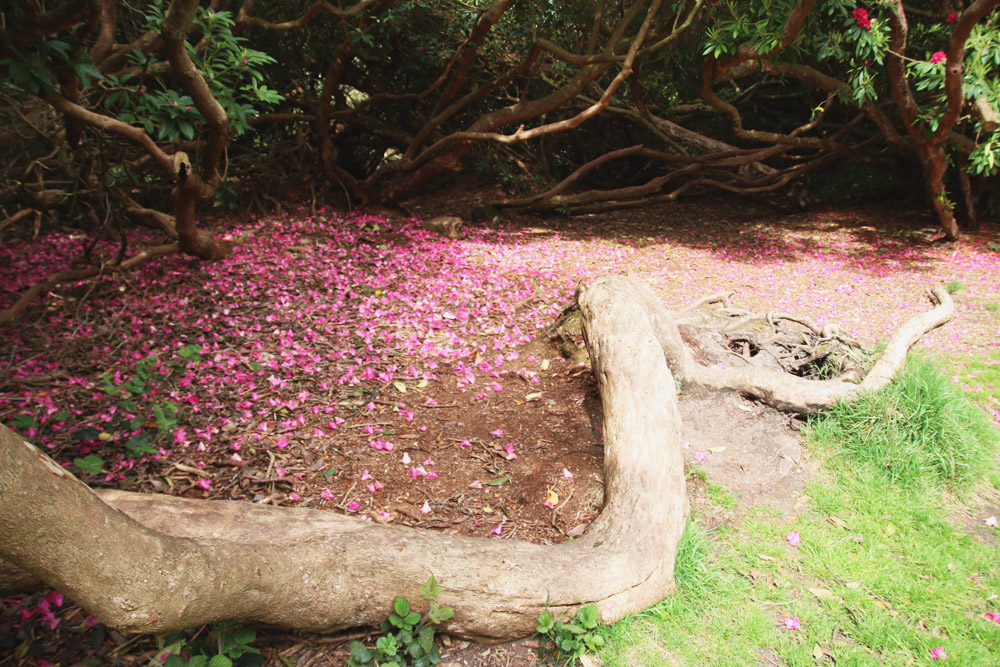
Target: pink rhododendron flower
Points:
(792, 623)
(476, 485)
(700, 456)
(383, 515)
(465, 443)
(991, 616)
(326, 493)
(509, 448)
(205, 484)
(365, 476)
(938, 653)
(282, 442)
(793, 538)
(549, 504)
(55, 598)
(860, 17)
(294, 496)
(429, 461)
(497, 530)
(938, 57)
(497, 433)
(426, 509)
(353, 506)
(566, 473)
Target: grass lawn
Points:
(877, 566)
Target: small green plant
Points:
(224, 645)
(574, 638)
(955, 286)
(139, 414)
(408, 639)
(564, 210)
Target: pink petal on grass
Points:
(991, 521)
(938, 653)
(792, 623)
(793, 538)
(991, 616)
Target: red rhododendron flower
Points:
(860, 17)
(938, 57)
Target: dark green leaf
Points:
(402, 606)
(360, 653)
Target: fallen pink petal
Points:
(793, 538)
(792, 623)
(938, 653)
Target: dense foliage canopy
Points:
(572, 106)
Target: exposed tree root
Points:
(780, 389)
(73, 275)
(148, 563)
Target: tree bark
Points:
(778, 389)
(145, 563)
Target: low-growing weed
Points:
(408, 639)
(573, 638)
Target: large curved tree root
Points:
(148, 563)
(779, 389)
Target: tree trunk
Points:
(147, 563)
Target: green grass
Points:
(720, 496)
(883, 574)
(979, 379)
(918, 431)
